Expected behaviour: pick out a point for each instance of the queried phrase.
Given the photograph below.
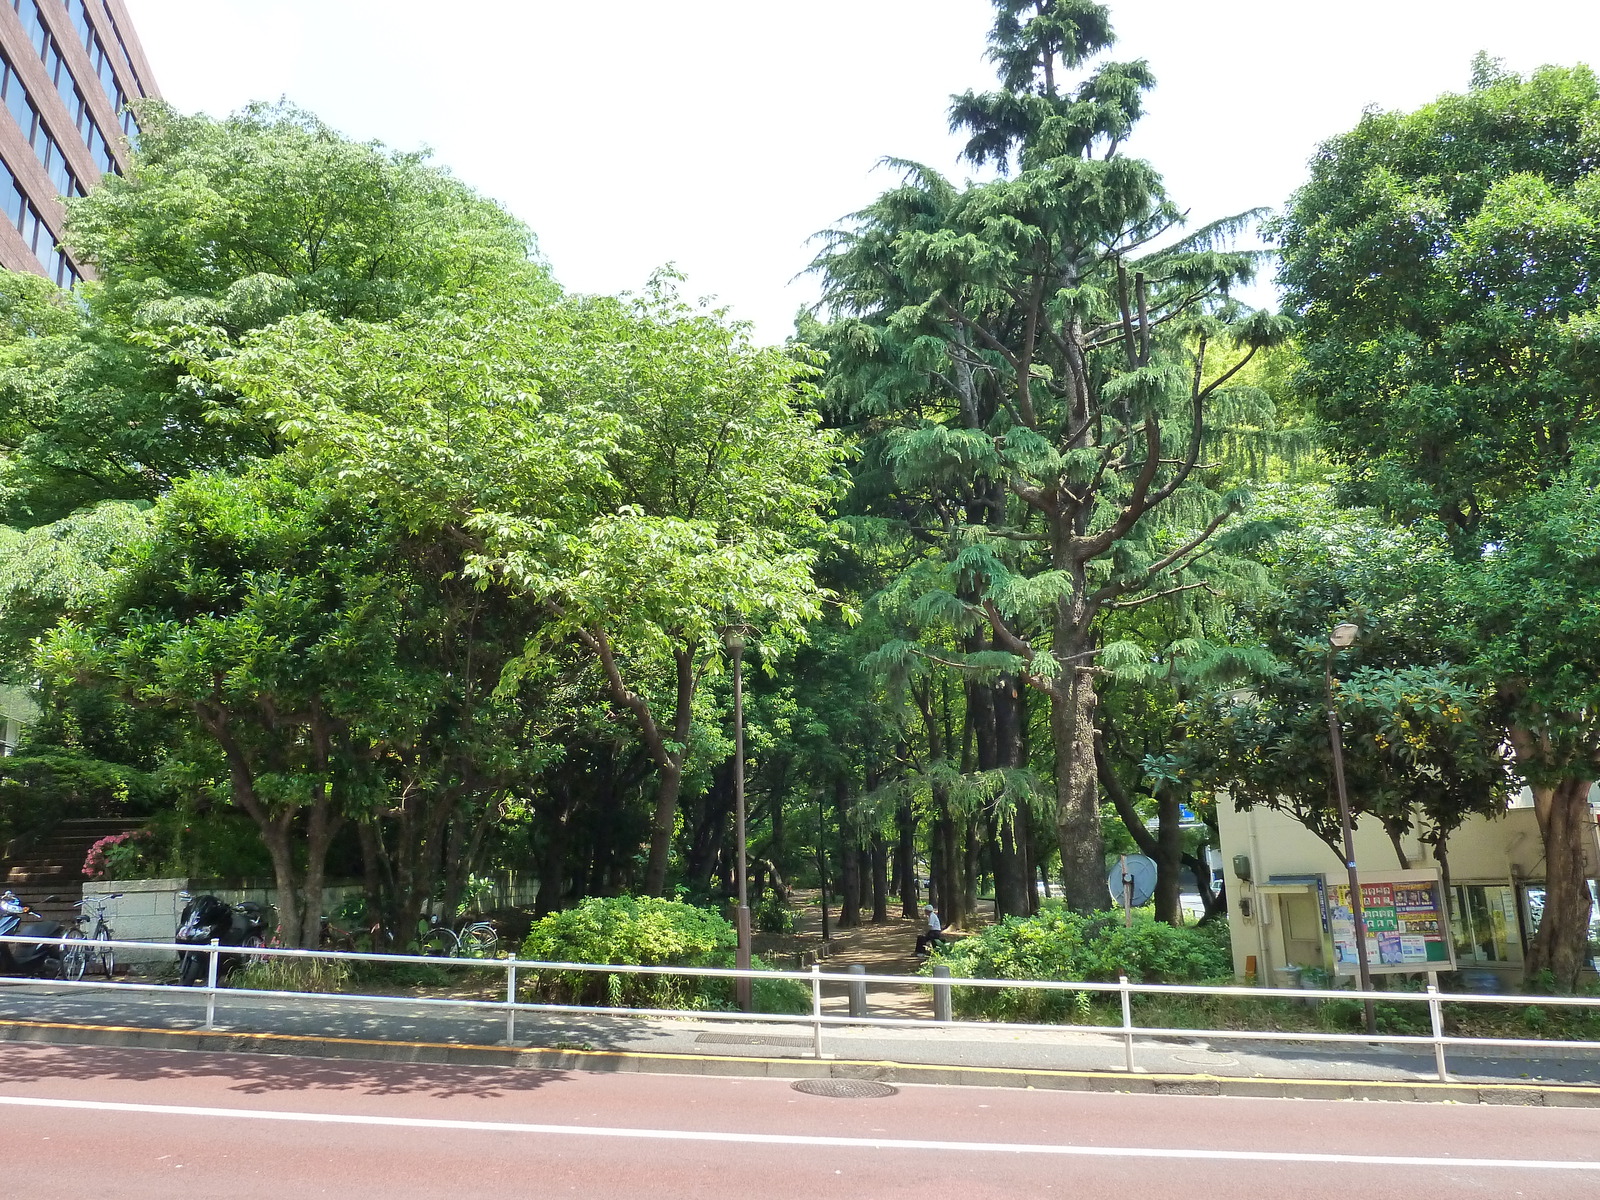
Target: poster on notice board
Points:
(1408, 924)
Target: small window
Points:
(11, 200)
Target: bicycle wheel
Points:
(74, 956)
(438, 943)
(106, 956)
(254, 941)
(479, 939)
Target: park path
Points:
(886, 949)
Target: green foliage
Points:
(1059, 944)
(772, 915)
(56, 570)
(1443, 260)
(219, 228)
(294, 975)
(646, 931)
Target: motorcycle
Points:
(18, 920)
(205, 918)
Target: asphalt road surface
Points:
(97, 1122)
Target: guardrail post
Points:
(1127, 1024)
(1436, 1015)
(941, 993)
(511, 1004)
(858, 991)
(211, 983)
(816, 1010)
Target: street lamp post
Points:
(1344, 635)
(735, 644)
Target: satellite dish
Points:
(1142, 873)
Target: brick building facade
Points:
(68, 70)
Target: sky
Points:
(720, 135)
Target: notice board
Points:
(1408, 923)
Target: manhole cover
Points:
(1203, 1058)
(844, 1089)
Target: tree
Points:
(1444, 261)
(220, 227)
(1060, 373)
(641, 470)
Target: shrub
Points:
(120, 856)
(648, 932)
(773, 915)
(294, 975)
(1058, 944)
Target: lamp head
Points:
(1344, 634)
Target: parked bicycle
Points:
(82, 947)
(476, 939)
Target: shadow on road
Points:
(263, 1074)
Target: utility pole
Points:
(1344, 635)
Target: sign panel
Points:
(1408, 924)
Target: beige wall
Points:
(1282, 927)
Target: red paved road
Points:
(304, 1151)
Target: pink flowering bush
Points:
(120, 856)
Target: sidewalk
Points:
(406, 1031)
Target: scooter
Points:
(205, 918)
(18, 920)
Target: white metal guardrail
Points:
(940, 985)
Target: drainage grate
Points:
(844, 1089)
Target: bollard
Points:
(211, 983)
(511, 1004)
(816, 1010)
(941, 993)
(858, 991)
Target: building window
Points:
(1483, 923)
(33, 24)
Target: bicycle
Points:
(476, 939)
(80, 948)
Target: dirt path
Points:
(886, 949)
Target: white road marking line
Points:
(795, 1139)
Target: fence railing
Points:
(940, 986)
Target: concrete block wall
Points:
(147, 910)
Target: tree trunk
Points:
(1083, 865)
(1169, 856)
(971, 846)
(905, 859)
(279, 850)
(553, 866)
(849, 887)
(1561, 942)
(322, 824)
(661, 823)
(1013, 879)
(880, 880)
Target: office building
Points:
(68, 70)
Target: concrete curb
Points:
(558, 1058)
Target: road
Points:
(91, 1121)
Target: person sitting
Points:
(927, 941)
